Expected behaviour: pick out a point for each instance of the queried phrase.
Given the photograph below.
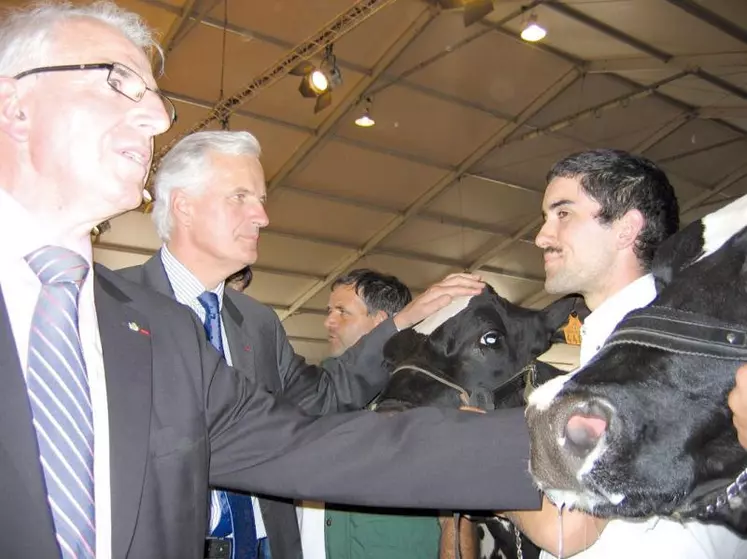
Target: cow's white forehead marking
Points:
(457, 305)
(543, 396)
(721, 225)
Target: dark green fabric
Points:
(359, 535)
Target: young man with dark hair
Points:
(606, 212)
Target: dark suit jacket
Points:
(181, 419)
(260, 349)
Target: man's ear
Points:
(13, 119)
(379, 317)
(182, 207)
(629, 227)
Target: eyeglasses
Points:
(122, 79)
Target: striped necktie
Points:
(60, 400)
(232, 514)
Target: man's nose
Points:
(153, 113)
(542, 240)
(261, 219)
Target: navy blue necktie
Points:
(60, 400)
(236, 511)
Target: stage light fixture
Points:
(318, 82)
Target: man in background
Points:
(358, 302)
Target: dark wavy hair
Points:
(379, 292)
(619, 182)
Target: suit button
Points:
(329, 522)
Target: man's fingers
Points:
(437, 297)
(738, 404)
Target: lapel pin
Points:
(136, 328)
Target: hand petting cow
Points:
(473, 353)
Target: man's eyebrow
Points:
(560, 203)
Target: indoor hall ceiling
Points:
(468, 121)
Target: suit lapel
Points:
(155, 276)
(242, 345)
(17, 434)
(126, 344)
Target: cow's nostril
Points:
(583, 431)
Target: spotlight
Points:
(319, 82)
(365, 120)
(313, 84)
(533, 31)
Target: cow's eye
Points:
(489, 338)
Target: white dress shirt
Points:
(22, 234)
(655, 537)
(186, 289)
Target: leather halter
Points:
(687, 333)
(682, 332)
(480, 397)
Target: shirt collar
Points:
(185, 284)
(635, 295)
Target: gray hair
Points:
(26, 34)
(187, 167)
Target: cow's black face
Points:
(643, 430)
(472, 357)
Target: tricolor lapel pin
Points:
(136, 328)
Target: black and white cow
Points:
(473, 353)
(644, 428)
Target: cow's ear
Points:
(401, 346)
(560, 313)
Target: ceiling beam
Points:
(488, 146)
(397, 253)
(176, 25)
(607, 30)
(696, 201)
(646, 63)
(187, 24)
(358, 91)
(642, 46)
(724, 112)
(620, 101)
(331, 32)
(402, 77)
(434, 217)
(704, 149)
(663, 132)
(712, 18)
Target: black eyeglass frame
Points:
(111, 66)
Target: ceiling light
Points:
(533, 31)
(365, 120)
(319, 81)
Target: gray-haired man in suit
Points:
(209, 210)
